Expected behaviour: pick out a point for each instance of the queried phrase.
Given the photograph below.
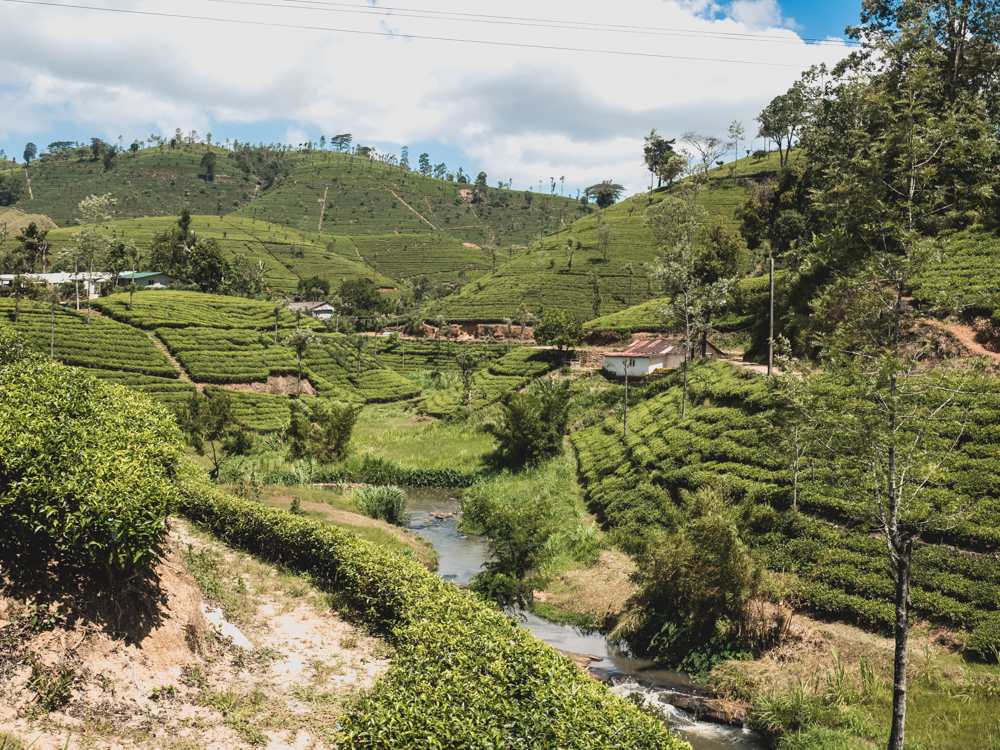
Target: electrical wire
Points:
(493, 43)
(334, 7)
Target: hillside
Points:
(541, 275)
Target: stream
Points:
(461, 556)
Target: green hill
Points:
(541, 275)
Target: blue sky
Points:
(519, 103)
(821, 19)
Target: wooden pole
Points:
(770, 327)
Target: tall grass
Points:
(384, 503)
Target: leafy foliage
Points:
(515, 689)
(531, 426)
(85, 467)
(384, 503)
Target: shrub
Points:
(464, 675)
(322, 431)
(531, 426)
(84, 467)
(386, 503)
(984, 642)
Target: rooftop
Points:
(647, 348)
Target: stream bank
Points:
(460, 556)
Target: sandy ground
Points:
(171, 680)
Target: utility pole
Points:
(770, 327)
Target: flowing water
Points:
(461, 556)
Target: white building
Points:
(644, 357)
(320, 310)
(90, 284)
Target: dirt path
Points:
(322, 209)
(966, 337)
(412, 209)
(30, 194)
(177, 365)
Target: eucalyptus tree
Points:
(301, 340)
(279, 304)
(91, 246)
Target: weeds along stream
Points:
(436, 513)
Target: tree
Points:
(313, 289)
(321, 430)
(468, 360)
(361, 297)
(706, 150)
(245, 277)
(29, 153)
(736, 134)
(279, 304)
(22, 288)
(605, 193)
(658, 153)
(10, 190)
(479, 189)
(604, 234)
(560, 329)
(207, 267)
(33, 247)
(524, 316)
(531, 425)
(630, 269)
(781, 120)
(92, 246)
(209, 420)
(723, 250)
(675, 223)
(301, 340)
(208, 164)
(51, 296)
(595, 283)
(424, 164)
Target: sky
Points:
(523, 90)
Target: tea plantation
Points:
(730, 438)
(490, 384)
(548, 275)
(102, 344)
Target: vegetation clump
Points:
(85, 467)
(383, 503)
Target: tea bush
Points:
(465, 674)
(85, 467)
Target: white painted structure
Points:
(321, 310)
(643, 357)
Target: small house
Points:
(321, 310)
(643, 357)
(153, 279)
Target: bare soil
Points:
(278, 385)
(147, 671)
(600, 591)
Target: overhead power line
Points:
(422, 37)
(378, 10)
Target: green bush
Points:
(984, 642)
(84, 466)
(386, 503)
(531, 426)
(465, 675)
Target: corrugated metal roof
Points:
(646, 348)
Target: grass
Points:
(398, 433)
(841, 695)
(343, 512)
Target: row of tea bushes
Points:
(730, 439)
(175, 309)
(166, 390)
(101, 344)
(506, 375)
(464, 675)
(260, 412)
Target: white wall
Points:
(639, 366)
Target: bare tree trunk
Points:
(684, 398)
(90, 279)
(625, 425)
(52, 335)
(902, 633)
(770, 329)
(76, 282)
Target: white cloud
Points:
(526, 113)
